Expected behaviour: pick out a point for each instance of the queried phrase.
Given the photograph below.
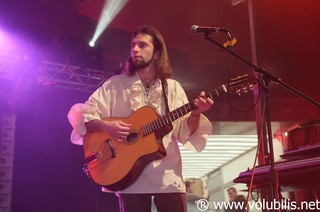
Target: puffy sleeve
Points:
(92, 109)
(195, 141)
(198, 139)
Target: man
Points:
(192, 198)
(146, 81)
(234, 198)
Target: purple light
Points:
(7, 43)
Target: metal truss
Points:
(69, 76)
(9, 66)
(52, 74)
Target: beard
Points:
(140, 64)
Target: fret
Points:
(149, 128)
(217, 93)
(143, 130)
(181, 112)
(163, 121)
(210, 94)
(157, 123)
(167, 119)
(173, 115)
(160, 122)
(146, 130)
(224, 87)
(152, 126)
(185, 109)
(178, 111)
(155, 126)
(189, 108)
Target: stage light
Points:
(11, 44)
(91, 43)
(110, 9)
(5, 40)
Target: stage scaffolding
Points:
(53, 74)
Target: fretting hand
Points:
(202, 103)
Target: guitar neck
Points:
(179, 112)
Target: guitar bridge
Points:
(113, 152)
(93, 157)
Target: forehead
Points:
(142, 38)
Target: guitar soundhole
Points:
(132, 137)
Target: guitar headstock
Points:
(241, 84)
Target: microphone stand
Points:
(265, 79)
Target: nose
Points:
(134, 48)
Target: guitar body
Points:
(117, 164)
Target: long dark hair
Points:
(163, 67)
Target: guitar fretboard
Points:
(179, 112)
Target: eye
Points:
(142, 45)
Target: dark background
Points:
(48, 168)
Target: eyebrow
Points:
(139, 43)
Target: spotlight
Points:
(91, 43)
(110, 9)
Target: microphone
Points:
(207, 30)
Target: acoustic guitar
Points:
(116, 165)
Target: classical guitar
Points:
(116, 165)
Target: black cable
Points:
(230, 77)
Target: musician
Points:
(146, 81)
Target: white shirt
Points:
(120, 96)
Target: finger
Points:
(124, 124)
(202, 94)
(122, 136)
(120, 139)
(124, 132)
(210, 101)
(203, 104)
(205, 100)
(202, 100)
(124, 129)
